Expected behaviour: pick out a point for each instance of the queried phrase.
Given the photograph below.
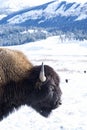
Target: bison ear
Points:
(42, 76)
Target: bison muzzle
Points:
(21, 83)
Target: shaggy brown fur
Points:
(13, 66)
(20, 84)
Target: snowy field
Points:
(70, 62)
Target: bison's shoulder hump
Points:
(13, 64)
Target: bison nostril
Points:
(60, 103)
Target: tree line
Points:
(16, 35)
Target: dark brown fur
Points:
(20, 84)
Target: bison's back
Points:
(13, 65)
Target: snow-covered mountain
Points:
(60, 14)
(14, 5)
(54, 16)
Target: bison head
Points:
(46, 94)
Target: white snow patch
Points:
(23, 17)
(2, 16)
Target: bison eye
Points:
(52, 87)
(52, 90)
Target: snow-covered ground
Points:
(70, 62)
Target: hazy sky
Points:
(36, 2)
(81, 1)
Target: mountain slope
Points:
(15, 5)
(57, 17)
(62, 15)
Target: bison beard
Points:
(27, 88)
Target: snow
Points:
(2, 16)
(15, 5)
(23, 17)
(74, 10)
(69, 59)
(82, 16)
(78, 1)
(52, 10)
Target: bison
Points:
(22, 83)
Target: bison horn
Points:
(42, 76)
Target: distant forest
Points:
(16, 35)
